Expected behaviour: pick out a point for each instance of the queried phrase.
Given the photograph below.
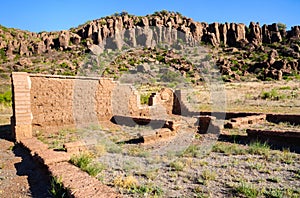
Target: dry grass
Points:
(248, 97)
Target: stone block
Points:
(75, 147)
(209, 124)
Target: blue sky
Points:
(36, 16)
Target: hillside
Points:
(241, 52)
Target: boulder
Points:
(64, 39)
(273, 54)
(95, 49)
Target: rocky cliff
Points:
(269, 48)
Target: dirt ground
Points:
(228, 166)
(20, 176)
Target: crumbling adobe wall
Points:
(104, 94)
(50, 102)
(126, 102)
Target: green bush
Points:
(6, 98)
(272, 95)
(144, 98)
(3, 55)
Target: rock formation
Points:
(121, 30)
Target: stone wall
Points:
(51, 102)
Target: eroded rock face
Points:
(149, 30)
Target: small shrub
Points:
(85, 162)
(3, 55)
(287, 157)
(126, 182)
(285, 88)
(6, 98)
(258, 148)
(177, 165)
(148, 189)
(209, 175)
(228, 149)
(272, 95)
(191, 151)
(57, 188)
(273, 179)
(144, 98)
(207, 57)
(247, 190)
(100, 150)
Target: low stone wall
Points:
(51, 102)
(281, 136)
(276, 118)
(243, 122)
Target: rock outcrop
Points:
(149, 30)
(124, 30)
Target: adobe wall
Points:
(52, 102)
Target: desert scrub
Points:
(191, 151)
(177, 165)
(57, 140)
(258, 148)
(132, 186)
(128, 182)
(284, 156)
(228, 148)
(57, 188)
(6, 98)
(206, 176)
(148, 189)
(280, 192)
(248, 190)
(272, 95)
(85, 161)
(144, 98)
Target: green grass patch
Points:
(228, 148)
(6, 98)
(147, 189)
(272, 95)
(85, 162)
(258, 148)
(248, 190)
(191, 151)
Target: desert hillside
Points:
(267, 51)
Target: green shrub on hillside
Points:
(6, 98)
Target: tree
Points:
(281, 26)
